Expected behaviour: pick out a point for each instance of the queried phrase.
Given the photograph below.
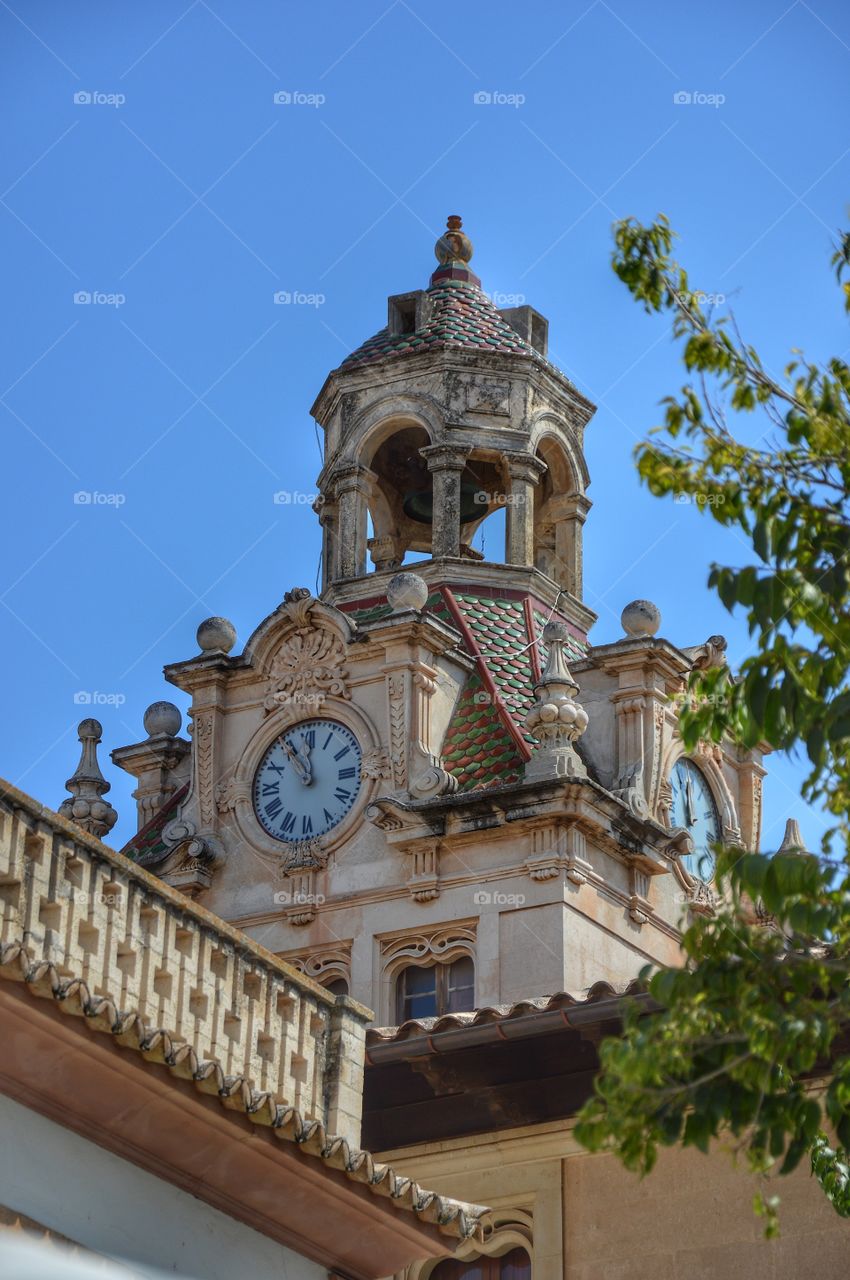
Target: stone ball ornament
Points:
(216, 635)
(162, 718)
(407, 591)
(641, 618)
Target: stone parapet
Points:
(84, 914)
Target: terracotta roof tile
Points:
(462, 316)
(501, 1012)
(101, 1014)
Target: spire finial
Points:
(453, 245)
(792, 841)
(87, 786)
(556, 720)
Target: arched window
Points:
(515, 1265)
(430, 991)
(339, 987)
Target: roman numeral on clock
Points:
(273, 807)
(287, 822)
(269, 788)
(342, 795)
(339, 754)
(346, 773)
(306, 825)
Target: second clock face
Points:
(695, 810)
(307, 781)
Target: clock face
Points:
(307, 781)
(695, 810)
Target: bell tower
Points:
(424, 787)
(450, 412)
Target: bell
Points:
(419, 504)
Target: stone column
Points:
(352, 491)
(327, 514)
(569, 513)
(445, 462)
(525, 472)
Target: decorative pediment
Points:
(301, 649)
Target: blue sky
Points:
(146, 162)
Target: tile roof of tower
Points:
(486, 744)
(461, 316)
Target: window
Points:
(515, 1265)
(432, 990)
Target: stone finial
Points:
(216, 635)
(407, 591)
(792, 841)
(641, 618)
(162, 718)
(556, 720)
(87, 786)
(453, 245)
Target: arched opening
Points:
(427, 500)
(560, 508)
(337, 987)
(514, 1265)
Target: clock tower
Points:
(424, 787)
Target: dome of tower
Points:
(457, 312)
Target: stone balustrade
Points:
(96, 917)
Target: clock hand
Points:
(304, 757)
(689, 801)
(301, 769)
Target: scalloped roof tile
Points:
(501, 1012)
(486, 743)
(461, 316)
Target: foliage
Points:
(749, 1025)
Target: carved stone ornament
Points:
(192, 857)
(87, 785)
(300, 900)
(702, 899)
(304, 855)
(229, 792)
(708, 655)
(376, 764)
(384, 817)
(423, 882)
(428, 778)
(556, 719)
(309, 665)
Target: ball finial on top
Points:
(453, 245)
(162, 718)
(641, 618)
(216, 635)
(407, 591)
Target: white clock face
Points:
(307, 781)
(695, 810)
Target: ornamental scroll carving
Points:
(309, 664)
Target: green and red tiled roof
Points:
(461, 316)
(486, 743)
(147, 845)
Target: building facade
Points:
(426, 790)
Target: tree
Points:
(752, 1036)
